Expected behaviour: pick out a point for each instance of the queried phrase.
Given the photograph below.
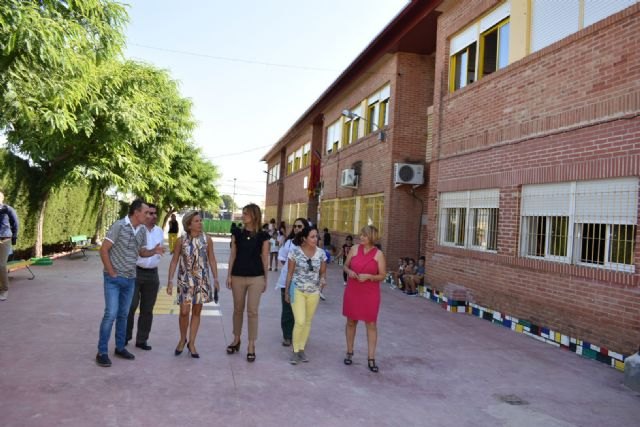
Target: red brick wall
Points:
(411, 80)
(293, 184)
(568, 112)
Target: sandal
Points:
(347, 360)
(233, 348)
(251, 357)
(372, 365)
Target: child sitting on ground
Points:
(416, 278)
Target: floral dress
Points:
(194, 286)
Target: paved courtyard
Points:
(436, 368)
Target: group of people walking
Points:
(131, 253)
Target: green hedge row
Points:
(70, 211)
(216, 226)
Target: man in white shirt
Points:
(147, 282)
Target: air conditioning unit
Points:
(349, 179)
(407, 173)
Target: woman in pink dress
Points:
(365, 266)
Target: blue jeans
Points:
(118, 293)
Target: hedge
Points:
(71, 210)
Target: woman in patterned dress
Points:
(194, 252)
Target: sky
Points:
(251, 68)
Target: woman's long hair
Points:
(305, 224)
(256, 216)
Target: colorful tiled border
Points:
(555, 338)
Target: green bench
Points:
(81, 243)
(20, 264)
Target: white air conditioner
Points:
(349, 178)
(407, 173)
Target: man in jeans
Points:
(147, 283)
(8, 237)
(125, 241)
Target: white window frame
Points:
(471, 201)
(582, 202)
(274, 174)
(334, 135)
(473, 34)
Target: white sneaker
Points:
(4, 295)
(322, 297)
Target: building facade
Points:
(374, 116)
(525, 117)
(533, 205)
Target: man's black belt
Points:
(142, 268)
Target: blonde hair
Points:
(256, 216)
(186, 220)
(371, 232)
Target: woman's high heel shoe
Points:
(233, 348)
(347, 360)
(192, 353)
(179, 352)
(251, 357)
(372, 365)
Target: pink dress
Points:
(362, 299)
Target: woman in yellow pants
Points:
(305, 280)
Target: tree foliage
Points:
(48, 53)
(77, 112)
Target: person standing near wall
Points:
(174, 228)
(147, 283)
(247, 278)
(125, 241)
(366, 268)
(8, 237)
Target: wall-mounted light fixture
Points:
(351, 115)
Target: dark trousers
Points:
(145, 294)
(286, 319)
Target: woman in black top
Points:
(248, 279)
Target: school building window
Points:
(553, 20)
(378, 109)
(371, 212)
(306, 154)
(480, 49)
(290, 163)
(328, 214)
(292, 211)
(589, 223)
(334, 136)
(351, 126)
(349, 215)
(469, 219)
(273, 174)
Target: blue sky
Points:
(251, 68)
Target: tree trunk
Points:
(99, 219)
(40, 224)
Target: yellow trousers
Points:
(172, 241)
(304, 307)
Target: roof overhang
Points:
(413, 30)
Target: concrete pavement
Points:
(436, 368)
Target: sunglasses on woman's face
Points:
(298, 226)
(309, 264)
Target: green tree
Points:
(194, 184)
(126, 135)
(48, 53)
(228, 202)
